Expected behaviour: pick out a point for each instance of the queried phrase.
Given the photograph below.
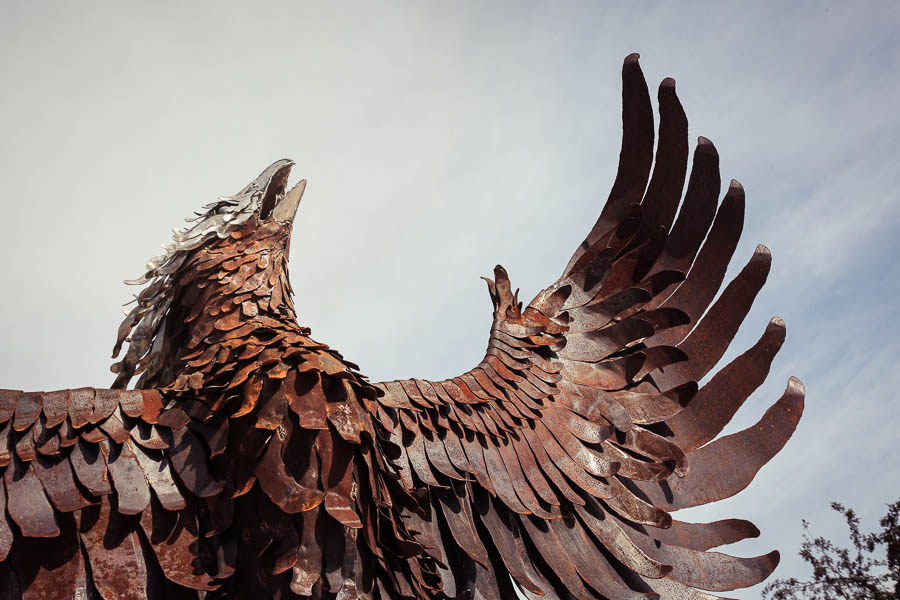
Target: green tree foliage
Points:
(857, 573)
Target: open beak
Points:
(276, 203)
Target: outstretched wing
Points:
(138, 494)
(558, 459)
(77, 516)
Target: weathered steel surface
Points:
(255, 462)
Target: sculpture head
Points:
(228, 265)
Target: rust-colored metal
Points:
(255, 462)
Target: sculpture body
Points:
(255, 462)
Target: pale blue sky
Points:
(442, 138)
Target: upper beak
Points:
(287, 207)
(271, 182)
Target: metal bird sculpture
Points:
(252, 461)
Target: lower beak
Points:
(286, 209)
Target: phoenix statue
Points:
(251, 461)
